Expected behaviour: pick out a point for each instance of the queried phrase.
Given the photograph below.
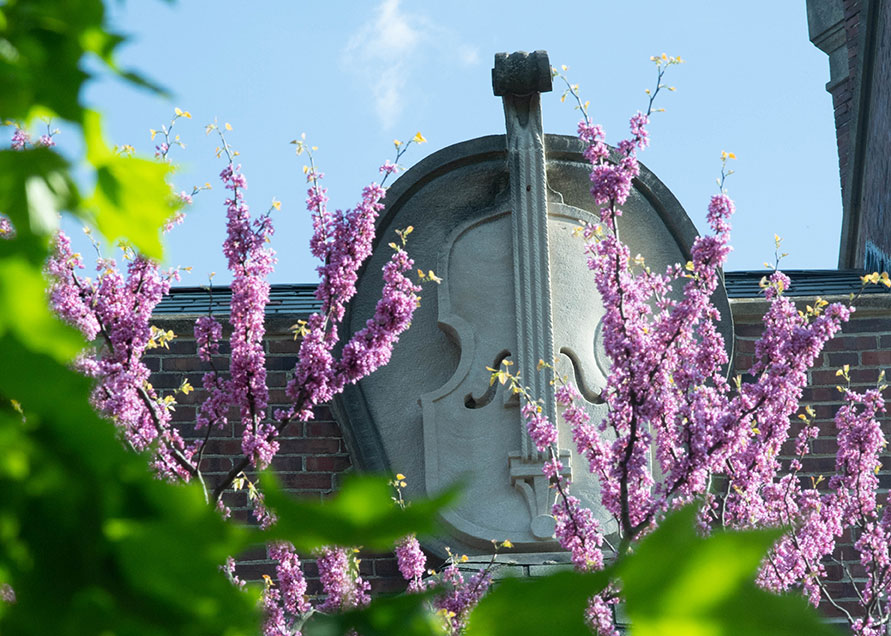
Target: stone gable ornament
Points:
(495, 219)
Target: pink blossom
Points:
(389, 168)
(290, 577)
(341, 583)
(7, 231)
(20, 139)
(669, 403)
(118, 308)
(250, 262)
(542, 432)
(412, 563)
(599, 615)
(7, 594)
(460, 596)
(578, 532)
(343, 242)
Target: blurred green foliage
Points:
(405, 614)
(89, 540)
(361, 514)
(674, 582)
(677, 582)
(92, 544)
(553, 604)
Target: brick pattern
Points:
(843, 92)
(314, 457)
(875, 204)
(872, 198)
(865, 344)
(843, 110)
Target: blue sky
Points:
(355, 75)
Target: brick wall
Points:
(875, 196)
(865, 344)
(843, 92)
(857, 36)
(833, 27)
(313, 455)
(312, 458)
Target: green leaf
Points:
(780, 615)
(96, 40)
(676, 582)
(41, 53)
(85, 527)
(34, 188)
(25, 313)
(406, 615)
(132, 199)
(89, 540)
(137, 79)
(553, 604)
(361, 514)
(42, 62)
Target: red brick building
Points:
(856, 34)
(314, 455)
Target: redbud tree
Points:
(714, 442)
(113, 309)
(682, 433)
(84, 527)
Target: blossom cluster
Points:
(114, 310)
(343, 241)
(675, 426)
(822, 518)
(411, 562)
(251, 262)
(285, 604)
(7, 231)
(460, 595)
(21, 139)
(115, 307)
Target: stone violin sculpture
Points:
(495, 218)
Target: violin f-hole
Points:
(594, 397)
(478, 403)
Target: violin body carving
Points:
(495, 218)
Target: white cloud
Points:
(386, 52)
(469, 55)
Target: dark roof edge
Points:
(299, 298)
